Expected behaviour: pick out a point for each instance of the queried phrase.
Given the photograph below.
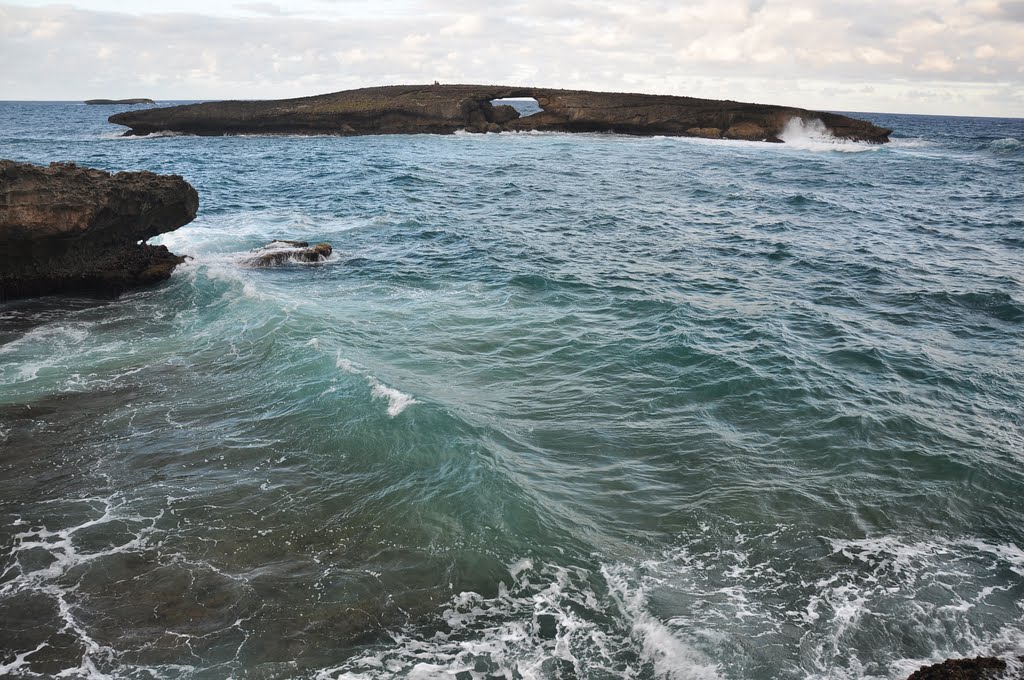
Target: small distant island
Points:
(446, 109)
(139, 100)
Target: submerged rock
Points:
(69, 229)
(445, 109)
(281, 252)
(978, 668)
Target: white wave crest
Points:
(812, 135)
(397, 401)
(1006, 145)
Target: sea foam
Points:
(812, 135)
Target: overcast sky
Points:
(963, 57)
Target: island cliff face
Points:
(445, 109)
(69, 229)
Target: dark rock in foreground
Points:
(445, 109)
(69, 229)
(119, 101)
(281, 252)
(978, 668)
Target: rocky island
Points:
(101, 102)
(64, 228)
(445, 109)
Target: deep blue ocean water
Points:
(559, 406)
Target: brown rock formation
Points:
(69, 229)
(444, 109)
(281, 252)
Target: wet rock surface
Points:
(978, 668)
(445, 109)
(281, 252)
(68, 229)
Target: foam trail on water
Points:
(542, 623)
(67, 555)
(670, 656)
(63, 342)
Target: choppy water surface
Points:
(558, 407)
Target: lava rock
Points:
(68, 229)
(281, 252)
(446, 109)
(978, 668)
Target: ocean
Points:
(558, 406)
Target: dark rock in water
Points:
(140, 100)
(66, 229)
(978, 668)
(445, 109)
(281, 252)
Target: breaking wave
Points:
(812, 135)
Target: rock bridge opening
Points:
(525, 106)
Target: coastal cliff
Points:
(445, 109)
(69, 229)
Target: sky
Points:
(956, 57)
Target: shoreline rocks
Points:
(446, 109)
(68, 229)
(978, 668)
(281, 252)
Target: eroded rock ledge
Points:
(445, 109)
(69, 229)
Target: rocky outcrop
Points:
(445, 109)
(69, 229)
(281, 252)
(101, 102)
(978, 668)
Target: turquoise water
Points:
(558, 406)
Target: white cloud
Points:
(863, 55)
(935, 62)
(466, 25)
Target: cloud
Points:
(1012, 10)
(266, 8)
(842, 54)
